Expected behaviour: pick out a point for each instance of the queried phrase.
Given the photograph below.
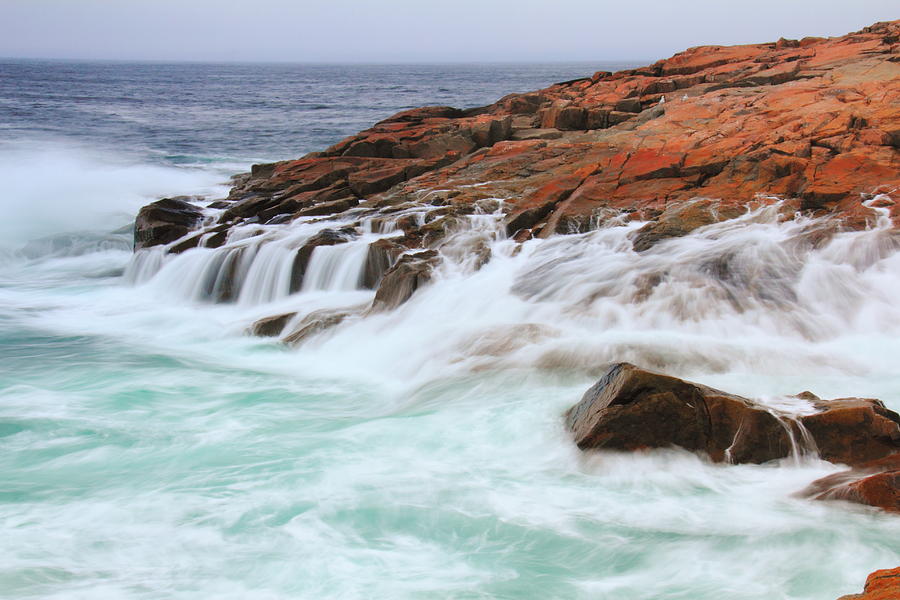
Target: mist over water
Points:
(150, 449)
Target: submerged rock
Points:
(681, 219)
(875, 483)
(631, 409)
(315, 323)
(271, 326)
(410, 273)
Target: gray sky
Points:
(412, 31)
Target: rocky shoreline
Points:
(809, 128)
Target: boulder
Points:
(632, 409)
(165, 221)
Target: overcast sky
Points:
(412, 30)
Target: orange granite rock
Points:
(880, 585)
(874, 483)
(815, 122)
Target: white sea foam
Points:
(154, 451)
(52, 188)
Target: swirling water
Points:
(149, 449)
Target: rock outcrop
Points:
(632, 408)
(814, 122)
(811, 125)
(880, 585)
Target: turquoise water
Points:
(150, 449)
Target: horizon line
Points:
(628, 61)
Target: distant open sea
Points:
(150, 449)
(196, 113)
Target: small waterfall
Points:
(144, 265)
(269, 277)
(207, 274)
(801, 440)
(337, 268)
(808, 442)
(737, 436)
(470, 245)
(380, 225)
(755, 292)
(225, 276)
(260, 264)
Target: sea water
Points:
(150, 449)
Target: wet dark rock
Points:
(165, 221)
(329, 208)
(220, 204)
(631, 409)
(410, 273)
(214, 237)
(247, 207)
(538, 205)
(438, 229)
(186, 244)
(218, 237)
(271, 326)
(481, 254)
(381, 256)
(417, 115)
(315, 323)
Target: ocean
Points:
(150, 448)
